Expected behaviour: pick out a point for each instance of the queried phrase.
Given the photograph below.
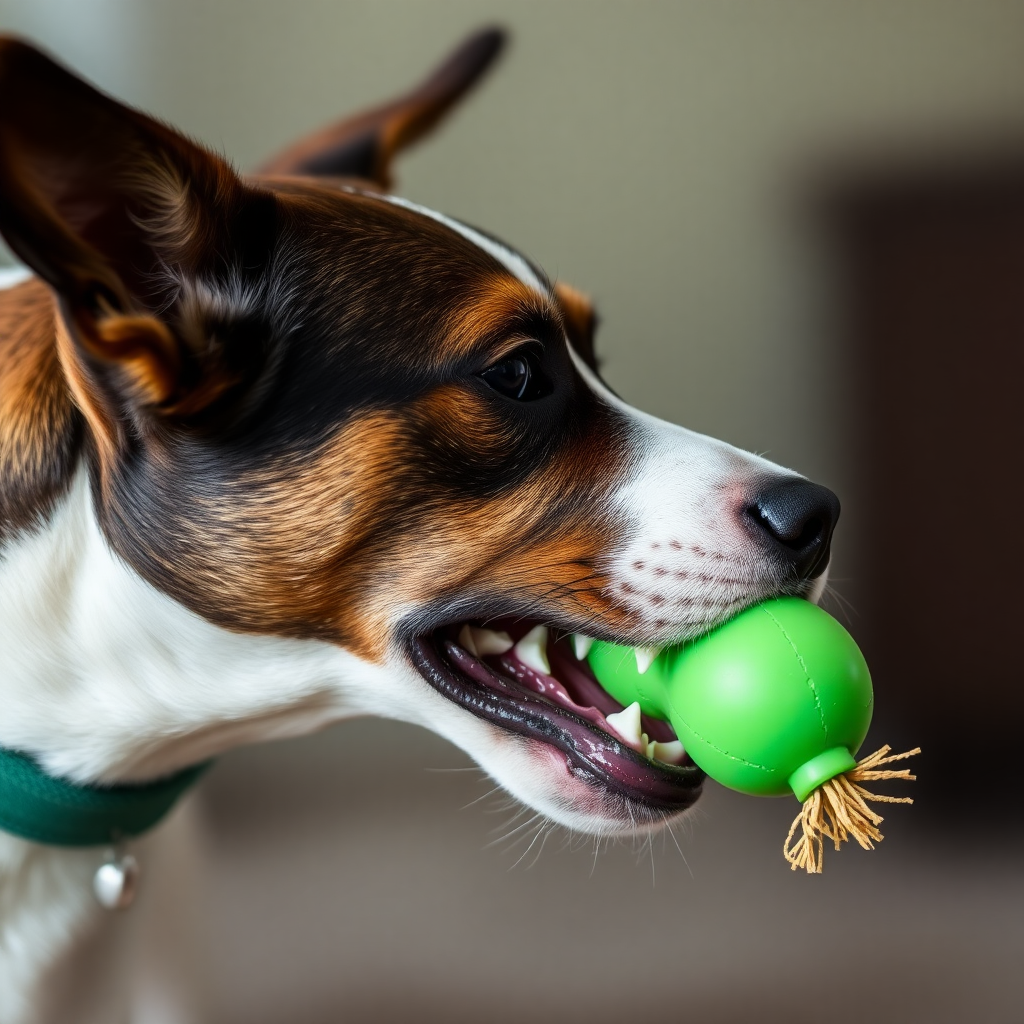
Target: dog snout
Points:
(797, 518)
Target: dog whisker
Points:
(480, 799)
(508, 835)
(670, 829)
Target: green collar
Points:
(45, 809)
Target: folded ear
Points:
(581, 321)
(364, 146)
(116, 212)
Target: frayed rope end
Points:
(838, 810)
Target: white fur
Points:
(107, 678)
(10, 276)
(45, 901)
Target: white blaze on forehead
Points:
(10, 276)
(508, 258)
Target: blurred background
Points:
(803, 225)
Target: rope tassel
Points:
(838, 810)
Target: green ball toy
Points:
(777, 700)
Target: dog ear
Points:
(115, 211)
(581, 322)
(364, 146)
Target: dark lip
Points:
(591, 754)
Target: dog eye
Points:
(518, 376)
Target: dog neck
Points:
(103, 677)
(106, 679)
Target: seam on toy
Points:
(807, 675)
(725, 753)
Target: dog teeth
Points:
(532, 650)
(626, 724)
(667, 753)
(645, 657)
(581, 645)
(467, 641)
(491, 641)
(479, 641)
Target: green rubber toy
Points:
(777, 700)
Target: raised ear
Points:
(580, 321)
(364, 146)
(117, 213)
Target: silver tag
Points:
(115, 882)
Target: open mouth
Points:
(534, 681)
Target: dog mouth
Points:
(534, 681)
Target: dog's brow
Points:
(502, 308)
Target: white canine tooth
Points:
(532, 650)
(645, 657)
(627, 723)
(490, 641)
(467, 641)
(667, 753)
(581, 645)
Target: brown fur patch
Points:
(146, 352)
(39, 425)
(502, 308)
(341, 543)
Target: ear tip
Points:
(485, 45)
(463, 67)
(492, 36)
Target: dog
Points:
(284, 449)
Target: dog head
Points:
(316, 411)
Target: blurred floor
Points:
(349, 882)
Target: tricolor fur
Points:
(258, 461)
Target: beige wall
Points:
(654, 154)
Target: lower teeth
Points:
(667, 753)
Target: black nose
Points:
(799, 518)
